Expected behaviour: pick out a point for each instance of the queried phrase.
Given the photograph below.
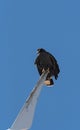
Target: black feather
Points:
(45, 61)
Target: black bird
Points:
(46, 61)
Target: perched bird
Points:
(46, 61)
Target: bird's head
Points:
(40, 50)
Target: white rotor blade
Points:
(25, 116)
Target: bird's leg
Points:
(48, 70)
(43, 70)
(46, 82)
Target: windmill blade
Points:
(25, 116)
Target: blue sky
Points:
(24, 27)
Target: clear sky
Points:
(26, 25)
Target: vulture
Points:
(46, 61)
